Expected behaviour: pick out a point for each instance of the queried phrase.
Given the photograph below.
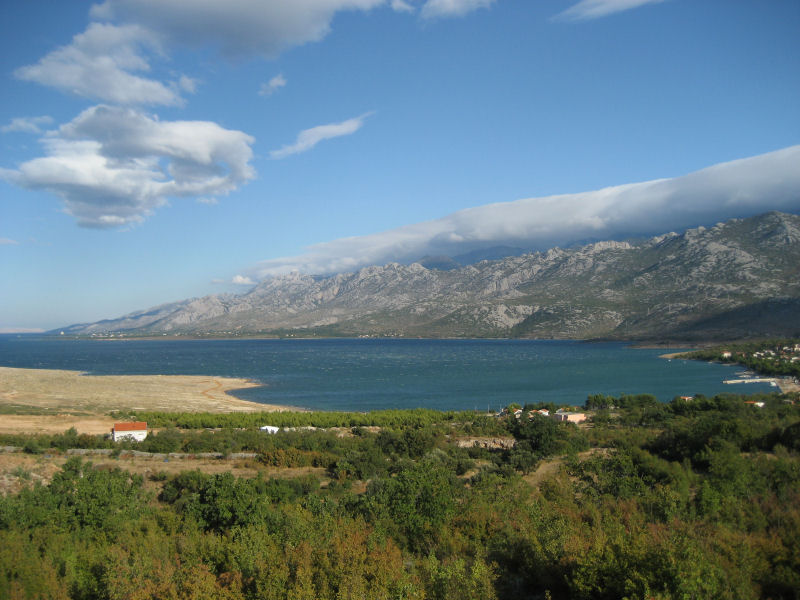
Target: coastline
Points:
(672, 355)
(54, 400)
(785, 385)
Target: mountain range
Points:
(736, 279)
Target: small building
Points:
(570, 417)
(754, 403)
(269, 429)
(135, 431)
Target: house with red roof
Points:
(135, 431)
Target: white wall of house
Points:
(136, 436)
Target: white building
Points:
(269, 429)
(135, 431)
(571, 417)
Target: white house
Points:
(572, 417)
(269, 429)
(136, 431)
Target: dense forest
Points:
(694, 498)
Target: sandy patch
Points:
(787, 386)
(57, 400)
(76, 393)
(672, 355)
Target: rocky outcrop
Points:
(667, 286)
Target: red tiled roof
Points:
(133, 426)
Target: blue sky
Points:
(152, 152)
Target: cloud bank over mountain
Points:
(739, 188)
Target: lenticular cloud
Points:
(113, 166)
(739, 188)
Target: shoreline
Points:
(41, 399)
(672, 355)
(785, 385)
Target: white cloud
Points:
(401, 6)
(113, 166)
(309, 138)
(434, 9)
(236, 27)
(594, 9)
(188, 84)
(8, 242)
(734, 189)
(27, 124)
(242, 280)
(276, 83)
(98, 65)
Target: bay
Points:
(373, 374)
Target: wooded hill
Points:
(690, 499)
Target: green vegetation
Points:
(416, 417)
(688, 499)
(769, 357)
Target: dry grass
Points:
(549, 467)
(19, 470)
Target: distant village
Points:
(783, 354)
(767, 358)
(559, 415)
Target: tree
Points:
(418, 502)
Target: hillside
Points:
(736, 279)
(686, 499)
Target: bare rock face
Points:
(488, 443)
(706, 283)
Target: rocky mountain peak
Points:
(712, 282)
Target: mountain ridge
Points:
(674, 285)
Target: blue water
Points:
(369, 374)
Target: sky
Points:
(156, 151)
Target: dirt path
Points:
(546, 468)
(217, 387)
(550, 466)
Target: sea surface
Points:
(372, 374)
